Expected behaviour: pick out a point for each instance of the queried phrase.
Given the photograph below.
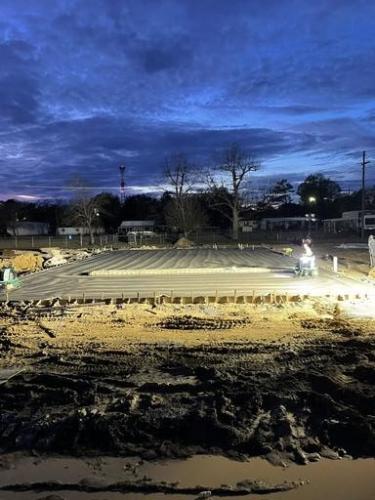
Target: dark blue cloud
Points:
(87, 85)
(19, 89)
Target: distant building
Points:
(248, 226)
(134, 231)
(350, 221)
(127, 226)
(286, 223)
(28, 228)
(77, 230)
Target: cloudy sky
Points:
(86, 85)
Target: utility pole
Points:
(122, 184)
(363, 204)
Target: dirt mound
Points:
(195, 323)
(183, 243)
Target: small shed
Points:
(136, 225)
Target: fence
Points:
(75, 241)
(210, 237)
(275, 236)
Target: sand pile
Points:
(183, 243)
(21, 263)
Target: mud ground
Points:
(292, 384)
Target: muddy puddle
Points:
(328, 479)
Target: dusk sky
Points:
(86, 85)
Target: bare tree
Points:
(190, 219)
(85, 206)
(184, 210)
(228, 183)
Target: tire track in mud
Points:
(240, 489)
(285, 401)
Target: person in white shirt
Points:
(371, 249)
(306, 264)
(306, 243)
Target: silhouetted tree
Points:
(10, 212)
(110, 211)
(85, 207)
(140, 207)
(320, 187)
(281, 191)
(184, 210)
(46, 211)
(216, 218)
(190, 219)
(227, 185)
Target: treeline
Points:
(192, 199)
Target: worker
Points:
(371, 249)
(306, 243)
(306, 264)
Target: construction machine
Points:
(9, 279)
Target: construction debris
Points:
(58, 256)
(32, 261)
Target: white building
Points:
(287, 223)
(127, 226)
(350, 221)
(28, 228)
(76, 231)
(248, 226)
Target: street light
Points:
(310, 217)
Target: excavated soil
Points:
(289, 383)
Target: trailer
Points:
(351, 221)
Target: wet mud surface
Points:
(290, 398)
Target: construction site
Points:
(187, 250)
(184, 372)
